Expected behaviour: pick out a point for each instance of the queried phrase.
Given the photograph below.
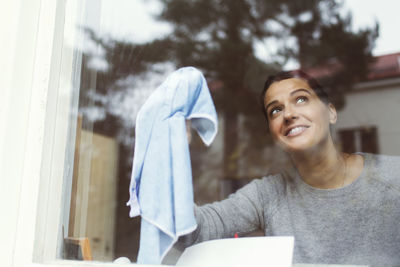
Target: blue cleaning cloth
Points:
(161, 189)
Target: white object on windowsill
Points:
(274, 251)
(122, 260)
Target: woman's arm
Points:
(242, 213)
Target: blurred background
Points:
(128, 47)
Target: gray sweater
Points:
(356, 224)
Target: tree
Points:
(219, 36)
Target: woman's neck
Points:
(324, 168)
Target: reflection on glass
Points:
(126, 54)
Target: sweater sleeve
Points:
(242, 213)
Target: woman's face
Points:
(298, 119)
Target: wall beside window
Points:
(35, 82)
(372, 105)
(23, 83)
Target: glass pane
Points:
(114, 83)
(129, 49)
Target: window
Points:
(359, 140)
(116, 68)
(85, 69)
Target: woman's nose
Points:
(289, 114)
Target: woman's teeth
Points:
(296, 130)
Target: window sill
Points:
(72, 263)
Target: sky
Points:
(387, 13)
(133, 19)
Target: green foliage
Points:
(219, 36)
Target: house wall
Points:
(375, 106)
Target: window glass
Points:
(130, 47)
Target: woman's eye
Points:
(274, 111)
(301, 99)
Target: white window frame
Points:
(35, 104)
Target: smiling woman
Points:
(299, 119)
(330, 204)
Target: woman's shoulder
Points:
(384, 168)
(277, 179)
(272, 184)
(381, 162)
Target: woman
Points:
(341, 208)
(299, 116)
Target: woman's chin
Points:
(298, 147)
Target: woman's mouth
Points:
(296, 131)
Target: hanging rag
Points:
(161, 189)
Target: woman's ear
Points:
(332, 113)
